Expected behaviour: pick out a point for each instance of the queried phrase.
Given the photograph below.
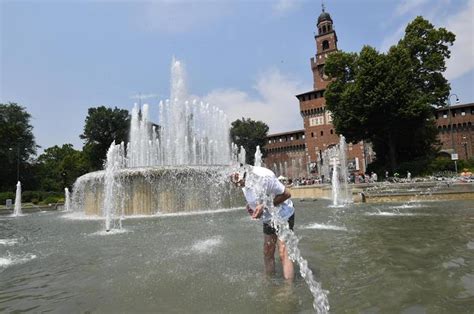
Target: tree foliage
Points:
(59, 167)
(249, 134)
(102, 127)
(17, 143)
(388, 98)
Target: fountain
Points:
(258, 157)
(17, 208)
(182, 164)
(179, 164)
(67, 199)
(334, 166)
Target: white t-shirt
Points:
(260, 184)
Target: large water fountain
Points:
(179, 164)
(334, 166)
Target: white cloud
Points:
(283, 6)
(275, 103)
(406, 6)
(176, 16)
(392, 39)
(460, 23)
(462, 52)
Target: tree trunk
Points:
(392, 152)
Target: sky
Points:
(248, 57)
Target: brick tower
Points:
(319, 130)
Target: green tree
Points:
(17, 144)
(388, 98)
(103, 126)
(248, 134)
(59, 167)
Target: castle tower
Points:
(326, 43)
(320, 133)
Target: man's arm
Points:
(282, 197)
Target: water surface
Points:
(373, 258)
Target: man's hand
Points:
(258, 211)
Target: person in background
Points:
(258, 184)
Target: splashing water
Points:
(17, 209)
(258, 157)
(336, 158)
(190, 140)
(285, 234)
(67, 199)
(242, 156)
(189, 132)
(115, 161)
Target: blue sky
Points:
(58, 58)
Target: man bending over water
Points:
(258, 184)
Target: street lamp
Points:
(453, 155)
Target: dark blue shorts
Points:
(269, 230)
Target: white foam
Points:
(82, 216)
(206, 246)
(454, 263)
(200, 212)
(394, 214)
(110, 232)
(409, 205)
(5, 262)
(470, 245)
(324, 227)
(8, 242)
(13, 259)
(337, 206)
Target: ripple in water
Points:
(206, 246)
(470, 245)
(324, 227)
(14, 259)
(454, 263)
(394, 214)
(8, 242)
(409, 205)
(110, 232)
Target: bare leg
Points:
(269, 253)
(287, 264)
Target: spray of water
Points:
(67, 199)
(17, 209)
(115, 161)
(335, 158)
(285, 234)
(258, 157)
(188, 132)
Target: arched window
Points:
(324, 29)
(325, 45)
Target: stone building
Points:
(286, 154)
(319, 133)
(455, 130)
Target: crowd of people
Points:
(355, 178)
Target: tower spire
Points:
(323, 6)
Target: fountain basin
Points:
(153, 190)
(393, 257)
